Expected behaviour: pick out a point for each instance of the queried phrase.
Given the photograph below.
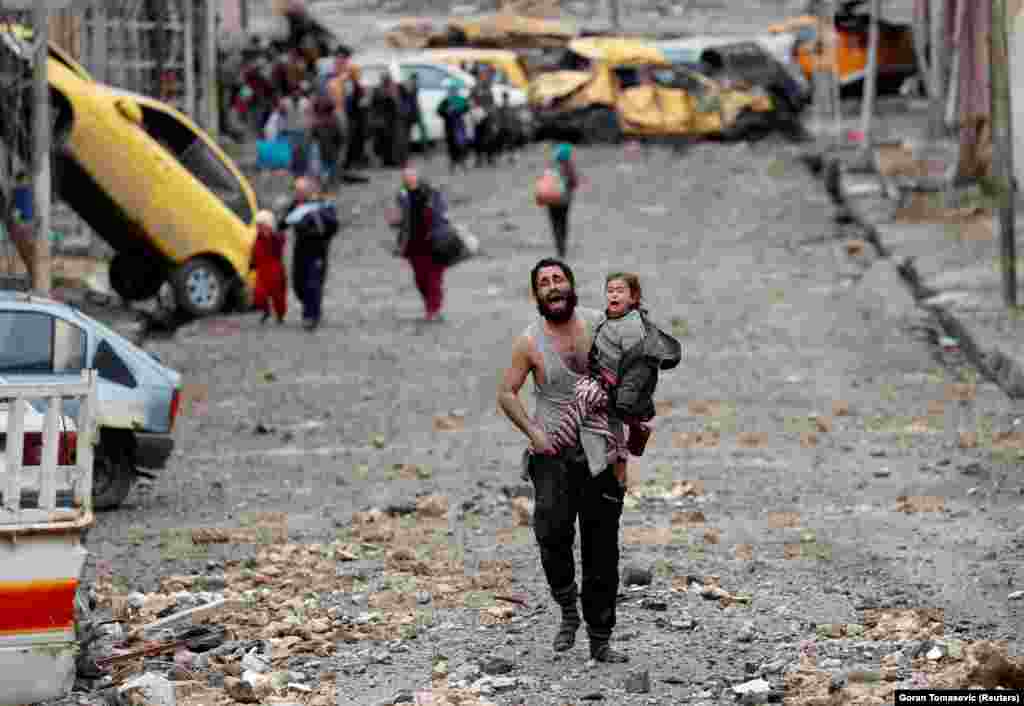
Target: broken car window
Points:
(197, 157)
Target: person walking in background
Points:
(412, 96)
(565, 166)
(268, 261)
(314, 222)
(355, 111)
(454, 110)
(421, 215)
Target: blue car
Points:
(138, 397)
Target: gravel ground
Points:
(313, 425)
(800, 515)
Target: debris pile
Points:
(270, 624)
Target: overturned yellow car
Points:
(611, 87)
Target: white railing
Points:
(50, 476)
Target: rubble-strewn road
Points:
(316, 425)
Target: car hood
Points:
(556, 84)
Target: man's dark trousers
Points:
(565, 490)
(309, 271)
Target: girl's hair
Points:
(632, 281)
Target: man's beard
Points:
(559, 317)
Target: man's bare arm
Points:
(512, 380)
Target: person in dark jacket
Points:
(389, 122)
(453, 110)
(559, 213)
(422, 213)
(412, 96)
(309, 255)
(355, 114)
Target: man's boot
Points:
(566, 636)
(601, 649)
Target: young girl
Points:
(267, 260)
(623, 328)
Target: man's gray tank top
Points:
(558, 390)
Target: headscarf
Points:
(266, 218)
(563, 153)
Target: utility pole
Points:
(870, 78)
(615, 14)
(41, 138)
(188, 18)
(937, 27)
(209, 90)
(1002, 149)
(243, 15)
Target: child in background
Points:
(622, 329)
(268, 261)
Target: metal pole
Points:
(615, 14)
(189, 18)
(1002, 149)
(41, 148)
(870, 78)
(937, 25)
(210, 69)
(243, 15)
(99, 43)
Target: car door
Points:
(637, 103)
(432, 91)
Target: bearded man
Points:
(555, 350)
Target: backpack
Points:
(633, 395)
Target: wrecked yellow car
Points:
(611, 87)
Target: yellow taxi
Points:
(610, 87)
(156, 187)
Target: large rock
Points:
(882, 293)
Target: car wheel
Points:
(133, 278)
(113, 474)
(201, 287)
(746, 125)
(601, 126)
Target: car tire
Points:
(113, 472)
(133, 278)
(601, 126)
(747, 125)
(201, 287)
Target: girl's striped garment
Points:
(589, 412)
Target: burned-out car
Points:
(609, 88)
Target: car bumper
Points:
(153, 450)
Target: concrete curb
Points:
(994, 365)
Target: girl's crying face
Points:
(621, 298)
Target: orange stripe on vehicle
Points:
(34, 606)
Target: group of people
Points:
(322, 108)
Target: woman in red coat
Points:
(268, 261)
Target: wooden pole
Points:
(1002, 149)
(870, 78)
(41, 137)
